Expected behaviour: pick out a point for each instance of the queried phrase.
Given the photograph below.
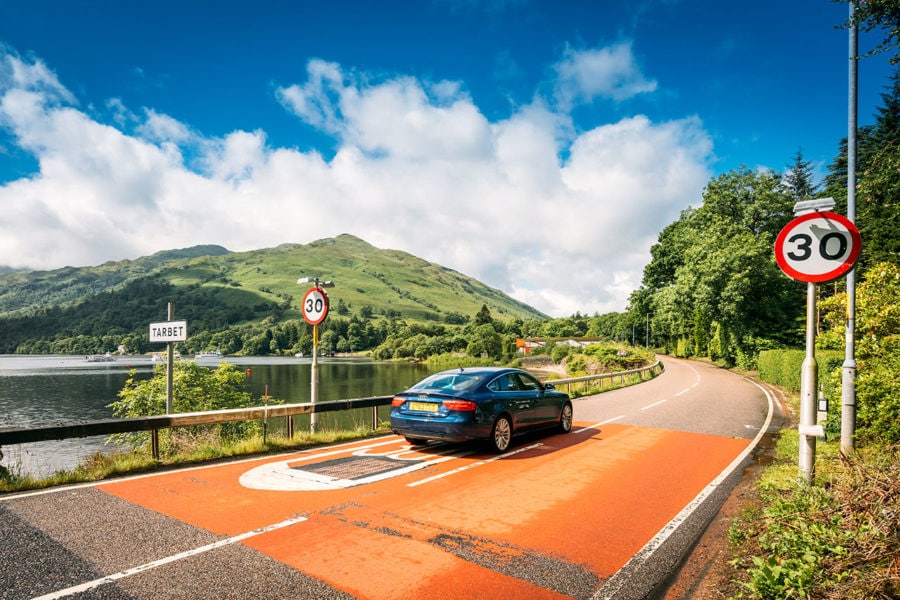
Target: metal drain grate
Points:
(354, 467)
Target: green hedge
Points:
(782, 367)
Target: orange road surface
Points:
(554, 518)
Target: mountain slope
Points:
(215, 289)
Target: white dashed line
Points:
(597, 425)
(77, 589)
(614, 584)
(657, 403)
(471, 466)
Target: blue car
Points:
(479, 403)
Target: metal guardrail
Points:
(154, 423)
(586, 383)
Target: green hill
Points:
(215, 290)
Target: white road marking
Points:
(472, 465)
(77, 589)
(298, 456)
(614, 584)
(339, 450)
(657, 403)
(281, 476)
(597, 425)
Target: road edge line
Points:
(613, 588)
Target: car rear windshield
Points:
(456, 382)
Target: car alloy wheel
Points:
(565, 418)
(501, 434)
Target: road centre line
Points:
(472, 465)
(657, 403)
(77, 589)
(597, 425)
(610, 589)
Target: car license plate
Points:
(423, 406)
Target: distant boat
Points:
(212, 354)
(100, 358)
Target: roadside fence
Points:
(577, 385)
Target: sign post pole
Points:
(314, 379)
(816, 246)
(315, 309)
(809, 377)
(171, 331)
(170, 363)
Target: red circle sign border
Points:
(838, 271)
(303, 305)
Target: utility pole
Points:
(848, 369)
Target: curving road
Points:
(691, 396)
(603, 512)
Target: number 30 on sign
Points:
(818, 247)
(315, 306)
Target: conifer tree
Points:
(799, 178)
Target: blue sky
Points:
(537, 146)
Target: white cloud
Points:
(418, 168)
(609, 72)
(315, 101)
(31, 77)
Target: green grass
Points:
(364, 275)
(836, 538)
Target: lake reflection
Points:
(47, 390)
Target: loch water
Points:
(50, 390)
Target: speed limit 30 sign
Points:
(315, 306)
(818, 247)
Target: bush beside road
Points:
(777, 538)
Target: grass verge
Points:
(106, 465)
(838, 538)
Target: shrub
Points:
(194, 388)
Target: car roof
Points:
(480, 370)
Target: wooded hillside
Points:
(229, 298)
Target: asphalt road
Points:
(603, 512)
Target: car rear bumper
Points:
(433, 429)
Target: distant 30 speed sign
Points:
(315, 306)
(818, 247)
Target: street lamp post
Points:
(315, 309)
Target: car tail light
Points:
(459, 404)
(397, 401)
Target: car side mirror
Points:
(549, 386)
